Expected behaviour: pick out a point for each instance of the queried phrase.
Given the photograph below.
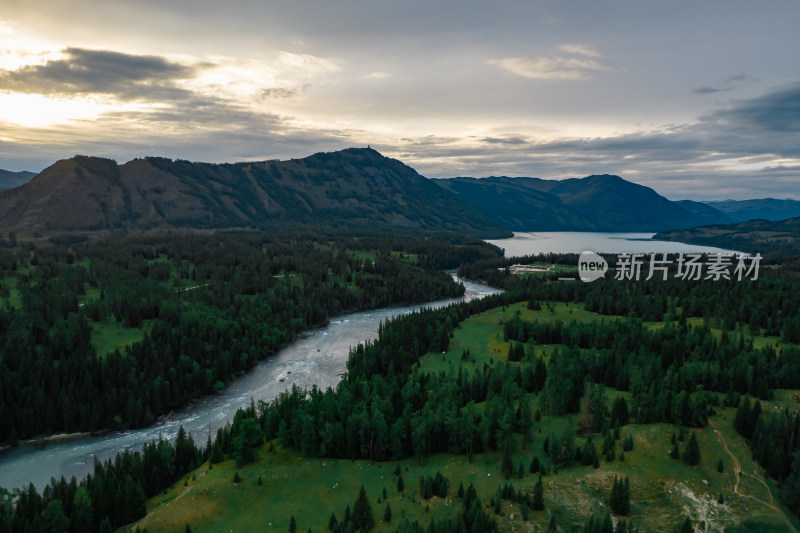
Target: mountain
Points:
(353, 189)
(706, 212)
(9, 179)
(595, 203)
(764, 208)
(516, 202)
(767, 237)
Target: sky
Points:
(698, 100)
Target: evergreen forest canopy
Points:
(704, 358)
(204, 309)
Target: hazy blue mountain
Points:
(706, 212)
(353, 189)
(595, 203)
(9, 179)
(764, 208)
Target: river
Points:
(318, 358)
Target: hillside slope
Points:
(354, 189)
(763, 208)
(595, 203)
(767, 237)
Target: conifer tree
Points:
(538, 495)
(692, 454)
(362, 511)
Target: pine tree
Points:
(620, 498)
(687, 526)
(401, 486)
(674, 452)
(362, 511)
(720, 466)
(332, 523)
(292, 525)
(538, 495)
(692, 454)
(534, 469)
(105, 526)
(627, 443)
(606, 526)
(507, 467)
(387, 514)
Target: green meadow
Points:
(664, 490)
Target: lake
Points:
(579, 241)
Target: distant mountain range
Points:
(765, 208)
(595, 203)
(357, 188)
(767, 237)
(9, 179)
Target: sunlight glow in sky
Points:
(697, 100)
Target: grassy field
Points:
(664, 490)
(110, 335)
(14, 299)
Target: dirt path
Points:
(737, 473)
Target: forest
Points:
(207, 309)
(701, 358)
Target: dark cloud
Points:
(741, 77)
(282, 93)
(505, 140)
(778, 111)
(85, 71)
(710, 90)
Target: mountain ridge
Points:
(10, 179)
(758, 208)
(356, 188)
(602, 202)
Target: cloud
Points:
(282, 93)
(508, 139)
(777, 111)
(727, 84)
(710, 90)
(306, 64)
(377, 76)
(580, 49)
(83, 71)
(550, 68)
(746, 150)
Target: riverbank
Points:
(319, 357)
